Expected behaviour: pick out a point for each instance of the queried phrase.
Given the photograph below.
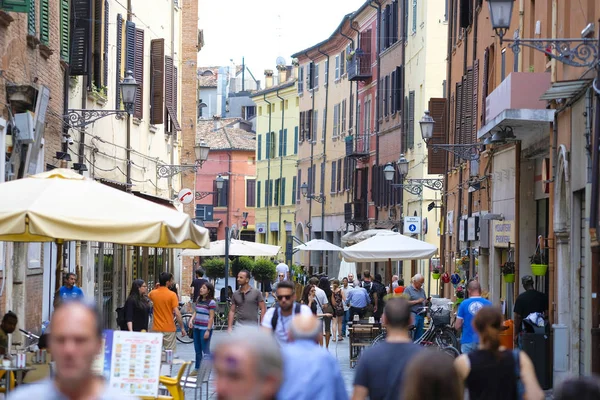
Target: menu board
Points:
(131, 361)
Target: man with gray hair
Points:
(320, 376)
(248, 365)
(417, 300)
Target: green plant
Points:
(538, 258)
(436, 270)
(99, 90)
(240, 263)
(460, 292)
(264, 270)
(508, 268)
(214, 267)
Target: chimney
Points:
(217, 122)
(283, 73)
(268, 78)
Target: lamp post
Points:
(304, 190)
(201, 151)
(413, 186)
(219, 183)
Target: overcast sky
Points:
(262, 30)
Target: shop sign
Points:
(503, 233)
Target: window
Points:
(466, 13)
(295, 140)
(316, 76)
(277, 191)
(267, 146)
(339, 175)
(138, 73)
(314, 125)
(298, 183)
(414, 16)
(337, 67)
(250, 192)
(280, 147)
(326, 82)
(333, 176)
(294, 189)
(336, 120)
(282, 192)
(342, 63)
(324, 124)
(285, 135)
(343, 118)
(157, 80)
(272, 145)
(301, 80)
(411, 119)
(392, 97)
(259, 148)
(405, 27)
(204, 212)
(446, 10)
(310, 76)
(220, 196)
(386, 90)
(258, 194)
(81, 35)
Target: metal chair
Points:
(200, 379)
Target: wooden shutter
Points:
(118, 55)
(280, 147)
(105, 45)
(484, 89)
(44, 22)
(436, 161)
(301, 127)
(298, 184)
(31, 31)
(474, 101)
(129, 46)
(157, 72)
(250, 193)
(333, 176)
(80, 37)
(97, 49)
(282, 192)
(392, 96)
(168, 81)
(259, 147)
(386, 90)
(394, 21)
(285, 135)
(294, 189)
(468, 107)
(65, 30)
(398, 89)
(268, 145)
(339, 175)
(175, 94)
(258, 194)
(296, 138)
(411, 119)
(351, 113)
(383, 31)
(458, 117)
(138, 73)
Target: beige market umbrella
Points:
(236, 248)
(61, 205)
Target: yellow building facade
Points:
(276, 158)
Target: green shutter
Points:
(44, 22)
(259, 148)
(282, 192)
(65, 30)
(19, 6)
(31, 19)
(268, 146)
(258, 194)
(285, 142)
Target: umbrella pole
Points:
(59, 264)
(388, 274)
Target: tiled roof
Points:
(207, 76)
(225, 137)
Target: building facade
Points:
(277, 133)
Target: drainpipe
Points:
(379, 99)
(356, 115)
(281, 159)
(595, 161)
(324, 140)
(267, 184)
(350, 91)
(312, 160)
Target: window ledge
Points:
(5, 19)
(137, 121)
(99, 98)
(32, 41)
(45, 51)
(153, 128)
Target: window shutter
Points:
(44, 22)
(294, 189)
(168, 81)
(282, 191)
(467, 107)
(175, 89)
(484, 89)
(474, 101)
(339, 175)
(351, 113)
(333, 176)
(97, 45)
(277, 192)
(458, 117)
(384, 95)
(343, 117)
(285, 135)
(157, 71)
(18, 6)
(395, 21)
(436, 161)
(298, 184)
(138, 73)
(259, 148)
(310, 180)
(301, 127)
(411, 119)
(118, 60)
(388, 26)
(296, 139)
(399, 87)
(374, 186)
(392, 96)
(280, 147)
(129, 46)
(80, 37)
(105, 45)
(170, 93)
(342, 62)
(31, 31)
(382, 32)
(271, 192)
(250, 193)
(65, 30)
(405, 27)
(258, 194)
(268, 146)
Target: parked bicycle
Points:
(186, 316)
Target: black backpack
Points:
(121, 323)
(275, 318)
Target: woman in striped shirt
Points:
(202, 321)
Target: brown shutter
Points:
(81, 37)
(118, 56)
(436, 161)
(474, 101)
(457, 117)
(484, 89)
(157, 72)
(138, 73)
(168, 81)
(97, 49)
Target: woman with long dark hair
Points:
(202, 321)
(309, 298)
(325, 286)
(337, 301)
(424, 382)
(490, 372)
(137, 307)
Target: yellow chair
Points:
(173, 384)
(12, 381)
(156, 398)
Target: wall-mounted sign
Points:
(261, 227)
(473, 228)
(503, 233)
(274, 226)
(185, 196)
(412, 225)
(462, 230)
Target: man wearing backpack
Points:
(278, 319)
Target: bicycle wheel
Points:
(445, 337)
(378, 339)
(451, 351)
(189, 331)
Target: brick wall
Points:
(22, 64)
(189, 84)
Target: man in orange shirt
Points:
(165, 305)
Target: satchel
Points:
(520, 386)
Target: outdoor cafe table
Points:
(18, 373)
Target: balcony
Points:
(357, 146)
(359, 67)
(356, 212)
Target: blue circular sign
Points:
(412, 227)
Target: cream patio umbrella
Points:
(318, 245)
(236, 248)
(61, 205)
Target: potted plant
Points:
(264, 270)
(464, 262)
(539, 266)
(436, 272)
(214, 267)
(460, 294)
(508, 271)
(240, 263)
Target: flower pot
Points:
(458, 300)
(509, 278)
(436, 276)
(539, 269)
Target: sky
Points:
(262, 30)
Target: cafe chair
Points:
(197, 383)
(12, 381)
(156, 398)
(173, 384)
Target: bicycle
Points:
(32, 340)
(221, 315)
(186, 317)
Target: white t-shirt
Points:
(282, 268)
(321, 299)
(345, 291)
(283, 323)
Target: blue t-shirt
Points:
(70, 294)
(467, 310)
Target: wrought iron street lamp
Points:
(469, 152)
(80, 118)
(413, 186)
(201, 151)
(312, 196)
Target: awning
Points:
(212, 224)
(529, 125)
(173, 115)
(566, 89)
(155, 199)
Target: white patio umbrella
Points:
(346, 268)
(236, 248)
(318, 245)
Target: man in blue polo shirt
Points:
(466, 312)
(69, 291)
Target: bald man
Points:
(417, 299)
(469, 341)
(75, 341)
(310, 372)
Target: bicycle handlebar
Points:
(29, 334)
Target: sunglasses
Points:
(284, 297)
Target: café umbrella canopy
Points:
(388, 246)
(236, 248)
(61, 205)
(318, 245)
